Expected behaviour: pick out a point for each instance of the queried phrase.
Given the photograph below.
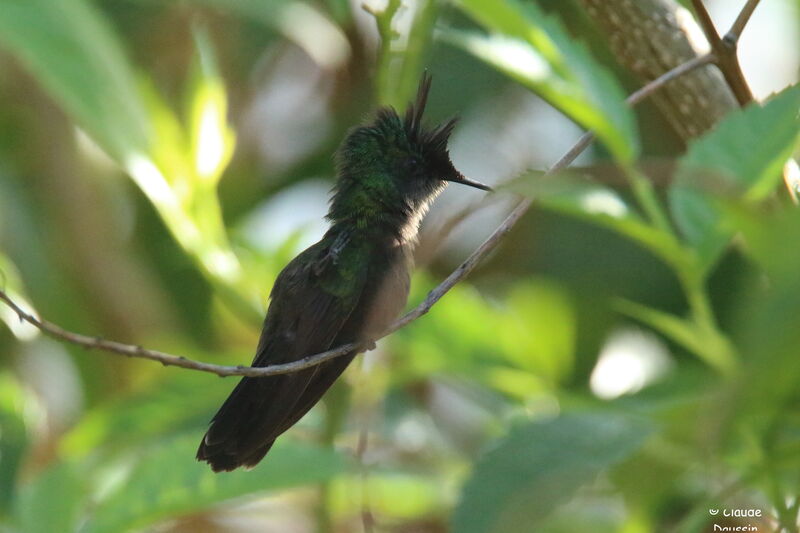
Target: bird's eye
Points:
(412, 164)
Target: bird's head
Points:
(394, 165)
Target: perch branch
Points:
(462, 271)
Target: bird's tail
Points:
(260, 409)
(226, 462)
(245, 427)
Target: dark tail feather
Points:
(259, 410)
(246, 425)
(328, 373)
(221, 462)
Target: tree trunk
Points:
(650, 37)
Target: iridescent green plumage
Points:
(348, 287)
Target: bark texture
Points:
(650, 37)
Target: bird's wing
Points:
(371, 319)
(310, 302)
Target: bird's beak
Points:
(459, 178)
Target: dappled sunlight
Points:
(213, 141)
(211, 145)
(223, 264)
(603, 202)
(630, 360)
(152, 182)
(693, 31)
(515, 56)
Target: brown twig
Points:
(741, 21)
(96, 343)
(648, 89)
(462, 271)
(704, 18)
(725, 48)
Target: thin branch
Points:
(725, 49)
(706, 23)
(741, 21)
(463, 270)
(732, 70)
(96, 343)
(648, 89)
(637, 96)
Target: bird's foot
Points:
(369, 346)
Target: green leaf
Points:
(168, 482)
(52, 501)
(521, 345)
(599, 205)
(538, 52)
(538, 333)
(697, 217)
(742, 156)
(170, 406)
(539, 466)
(13, 436)
(74, 54)
(212, 139)
(750, 146)
(765, 322)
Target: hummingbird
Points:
(346, 288)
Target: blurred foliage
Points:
(159, 164)
(516, 484)
(536, 50)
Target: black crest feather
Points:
(435, 139)
(413, 119)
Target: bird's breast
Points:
(386, 291)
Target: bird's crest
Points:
(434, 139)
